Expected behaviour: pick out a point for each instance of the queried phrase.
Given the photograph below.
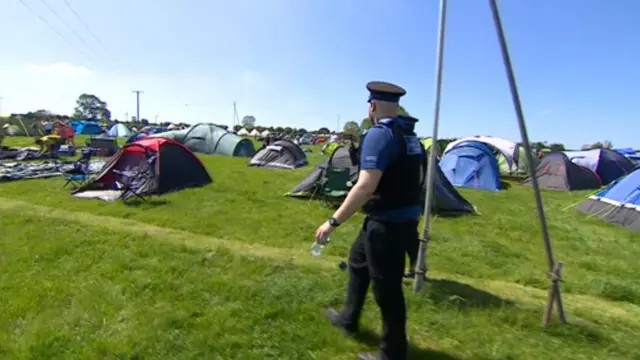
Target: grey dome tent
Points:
(210, 139)
(447, 198)
(282, 154)
(557, 171)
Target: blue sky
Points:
(304, 63)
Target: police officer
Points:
(388, 189)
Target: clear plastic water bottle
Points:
(318, 247)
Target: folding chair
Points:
(139, 183)
(81, 173)
(335, 185)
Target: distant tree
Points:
(351, 130)
(365, 124)
(287, 130)
(278, 129)
(598, 145)
(301, 131)
(133, 119)
(260, 128)
(144, 122)
(237, 127)
(223, 126)
(323, 130)
(556, 147)
(248, 121)
(539, 145)
(90, 107)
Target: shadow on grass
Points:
(505, 185)
(372, 339)
(462, 295)
(453, 214)
(146, 203)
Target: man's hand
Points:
(323, 232)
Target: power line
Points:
(56, 31)
(69, 27)
(89, 30)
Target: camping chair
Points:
(140, 183)
(80, 174)
(335, 185)
(133, 184)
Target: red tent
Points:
(170, 165)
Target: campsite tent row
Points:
(253, 132)
(478, 162)
(510, 155)
(581, 170)
(206, 139)
(93, 128)
(447, 198)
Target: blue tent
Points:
(618, 203)
(471, 164)
(88, 128)
(74, 123)
(136, 137)
(626, 151)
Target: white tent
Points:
(243, 132)
(508, 148)
(254, 132)
(119, 130)
(265, 133)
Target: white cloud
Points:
(60, 68)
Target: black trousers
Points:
(378, 256)
(412, 250)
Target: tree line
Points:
(91, 107)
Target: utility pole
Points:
(1, 98)
(338, 127)
(236, 119)
(137, 92)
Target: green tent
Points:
(523, 164)
(520, 166)
(210, 139)
(428, 143)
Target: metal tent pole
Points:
(555, 269)
(421, 263)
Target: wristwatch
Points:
(333, 222)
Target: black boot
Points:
(335, 318)
(412, 274)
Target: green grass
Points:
(223, 272)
